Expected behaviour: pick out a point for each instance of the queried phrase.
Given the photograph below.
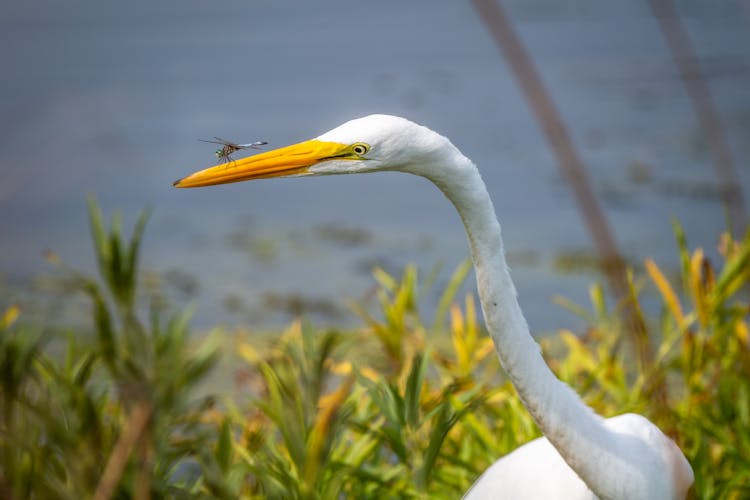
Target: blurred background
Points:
(111, 99)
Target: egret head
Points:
(368, 144)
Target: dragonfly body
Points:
(224, 153)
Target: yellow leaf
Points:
(743, 333)
(10, 316)
(498, 398)
(696, 286)
(596, 295)
(666, 290)
(248, 352)
(727, 246)
(328, 407)
(579, 355)
(329, 403)
(294, 331)
(459, 342)
(343, 368)
(369, 373)
(471, 320)
(384, 279)
(486, 346)
(457, 319)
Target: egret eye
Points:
(360, 148)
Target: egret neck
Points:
(578, 433)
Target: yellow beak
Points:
(282, 162)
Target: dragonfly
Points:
(224, 154)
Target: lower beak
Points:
(282, 162)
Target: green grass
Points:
(394, 409)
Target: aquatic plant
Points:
(397, 408)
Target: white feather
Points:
(582, 455)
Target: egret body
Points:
(581, 455)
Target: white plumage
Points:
(582, 455)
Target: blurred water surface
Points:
(109, 98)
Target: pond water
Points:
(110, 99)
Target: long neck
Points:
(572, 427)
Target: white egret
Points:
(582, 454)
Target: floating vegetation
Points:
(262, 248)
(526, 258)
(577, 261)
(342, 235)
(297, 304)
(185, 283)
(693, 189)
(640, 173)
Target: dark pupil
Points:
(359, 150)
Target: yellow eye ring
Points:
(360, 148)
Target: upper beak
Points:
(290, 160)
